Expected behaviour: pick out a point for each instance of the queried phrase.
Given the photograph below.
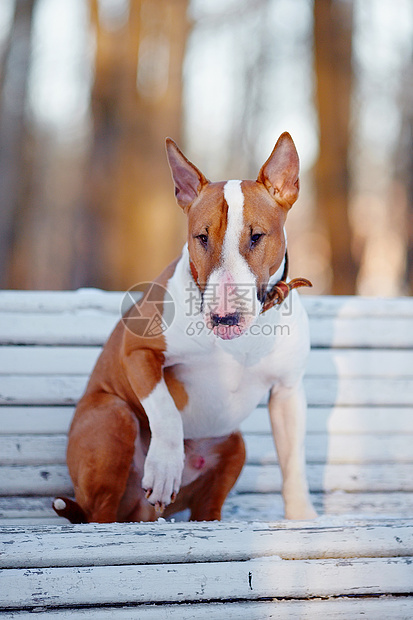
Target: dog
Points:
(156, 431)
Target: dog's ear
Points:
(280, 172)
(187, 178)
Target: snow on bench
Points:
(252, 565)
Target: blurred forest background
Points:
(89, 89)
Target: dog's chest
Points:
(225, 380)
(222, 390)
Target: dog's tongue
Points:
(227, 332)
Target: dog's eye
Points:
(203, 239)
(255, 238)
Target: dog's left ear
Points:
(187, 178)
(280, 172)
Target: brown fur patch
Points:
(176, 388)
(208, 215)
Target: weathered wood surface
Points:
(352, 478)
(360, 466)
(87, 317)
(91, 300)
(91, 329)
(254, 579)
(321, 391)
(78, 360)
(320, 448)
(144, 543)
(41, 420)
(343, 608)
(32, 510)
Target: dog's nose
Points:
(227, 319)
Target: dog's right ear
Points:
(187, 178)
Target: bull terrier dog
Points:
(157, 428)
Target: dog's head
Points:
(236, 235)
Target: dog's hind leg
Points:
(212, 467)
(100, 454)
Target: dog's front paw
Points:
(163, 474)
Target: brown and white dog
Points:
(157, 428)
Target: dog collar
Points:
(278, 293)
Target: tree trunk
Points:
(13, 164)
(136, 103)
(333, 54)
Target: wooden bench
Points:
(355, 560)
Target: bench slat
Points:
(91, 328)
(22, 547)
(325, 391)
(110, 301)
(254, 579)
(75, 360)
(269, 506)
(40, 420)
(320, 448)
(238, 506)
(54, 479)
(342, 608)
(342, 420)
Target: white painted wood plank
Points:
(241, 506)
(360, 363)
(342, 420)
(357, 306)
(39, 360)
(92, 328)
(332, 477)
(123, 544)
(32, 449)
(30, 302)
(35, 420)
(320, 448)
(75, 360)
(269, 506)
(362, 332)
(42, 390)
(110, 301)
(87, 328)
(31, 521)
(35, 480)
(328, 391)
(12, 507)
(55, 480)
(359, 391)
(261, 578)
(41, 420)
(343, 608)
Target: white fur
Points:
(165, 459)
(225, 380)
(235, 220)
(59, 504)
(231, 286)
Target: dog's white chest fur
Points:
(226, 380)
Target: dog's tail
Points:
(69, 509)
